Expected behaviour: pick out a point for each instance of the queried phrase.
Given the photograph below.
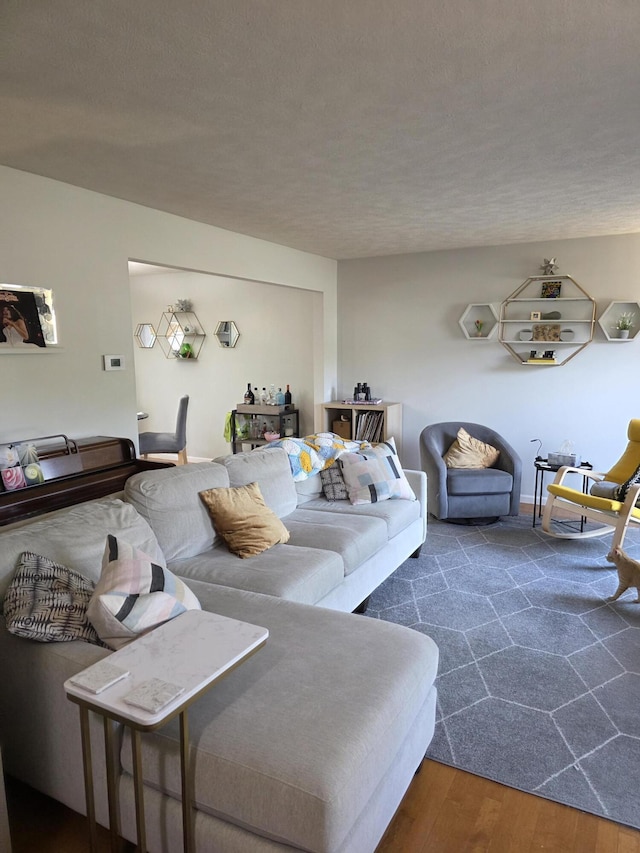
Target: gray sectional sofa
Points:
(309, 745)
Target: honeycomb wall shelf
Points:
(485, 314)
(610, 317)
(561, 321)
(180, 335)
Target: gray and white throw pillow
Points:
(375, 474)
(48, 602)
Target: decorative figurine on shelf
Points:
(479, 324)
(183, 305)
(549, 266)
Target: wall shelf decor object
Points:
(180, 335)
(227, 333)
(547, 329)
(479, 321)
(611, 315)
(145, 335)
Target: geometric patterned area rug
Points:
(539, 676)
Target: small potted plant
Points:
(479, 324)
(624, 324)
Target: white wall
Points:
(399, 332)
(78, 243)
(276, 345)
(397, 316)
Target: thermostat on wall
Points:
(113, 362)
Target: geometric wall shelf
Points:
(145, 335)
(611, 315)
(479, 321)
(548, 320)
(180, 335)
(227, 333)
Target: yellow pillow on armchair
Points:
(469, 452)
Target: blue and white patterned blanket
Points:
(314, 453)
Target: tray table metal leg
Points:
(136, 749)
(87, 765)
(111, 785)
(187, 794)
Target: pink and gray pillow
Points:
(134, 595)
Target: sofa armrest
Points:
(418, 482)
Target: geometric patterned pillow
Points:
(134, 595)
(375, 474)
(620, 493)
(334, 487)
(48, 602)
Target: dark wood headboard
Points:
(75, 470)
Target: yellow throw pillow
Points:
(469, 452)
(242, 518)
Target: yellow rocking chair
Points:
(600, 503)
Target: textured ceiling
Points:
(346, 128)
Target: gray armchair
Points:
(168, 442)
(459, 494)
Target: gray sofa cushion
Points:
(397, 514)
(77, 537)
(478, 481)
(169, 499)
(355, 538)
(309, 489)
(299, 574)
(271, 470)
(331, 753)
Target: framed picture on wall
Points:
(27, 319)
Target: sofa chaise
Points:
(311, 744)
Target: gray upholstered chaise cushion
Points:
(333, 748)
(169, 499)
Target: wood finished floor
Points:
(444, 811)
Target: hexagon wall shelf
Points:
(180, 335)
(480, 314)
(611, 315)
